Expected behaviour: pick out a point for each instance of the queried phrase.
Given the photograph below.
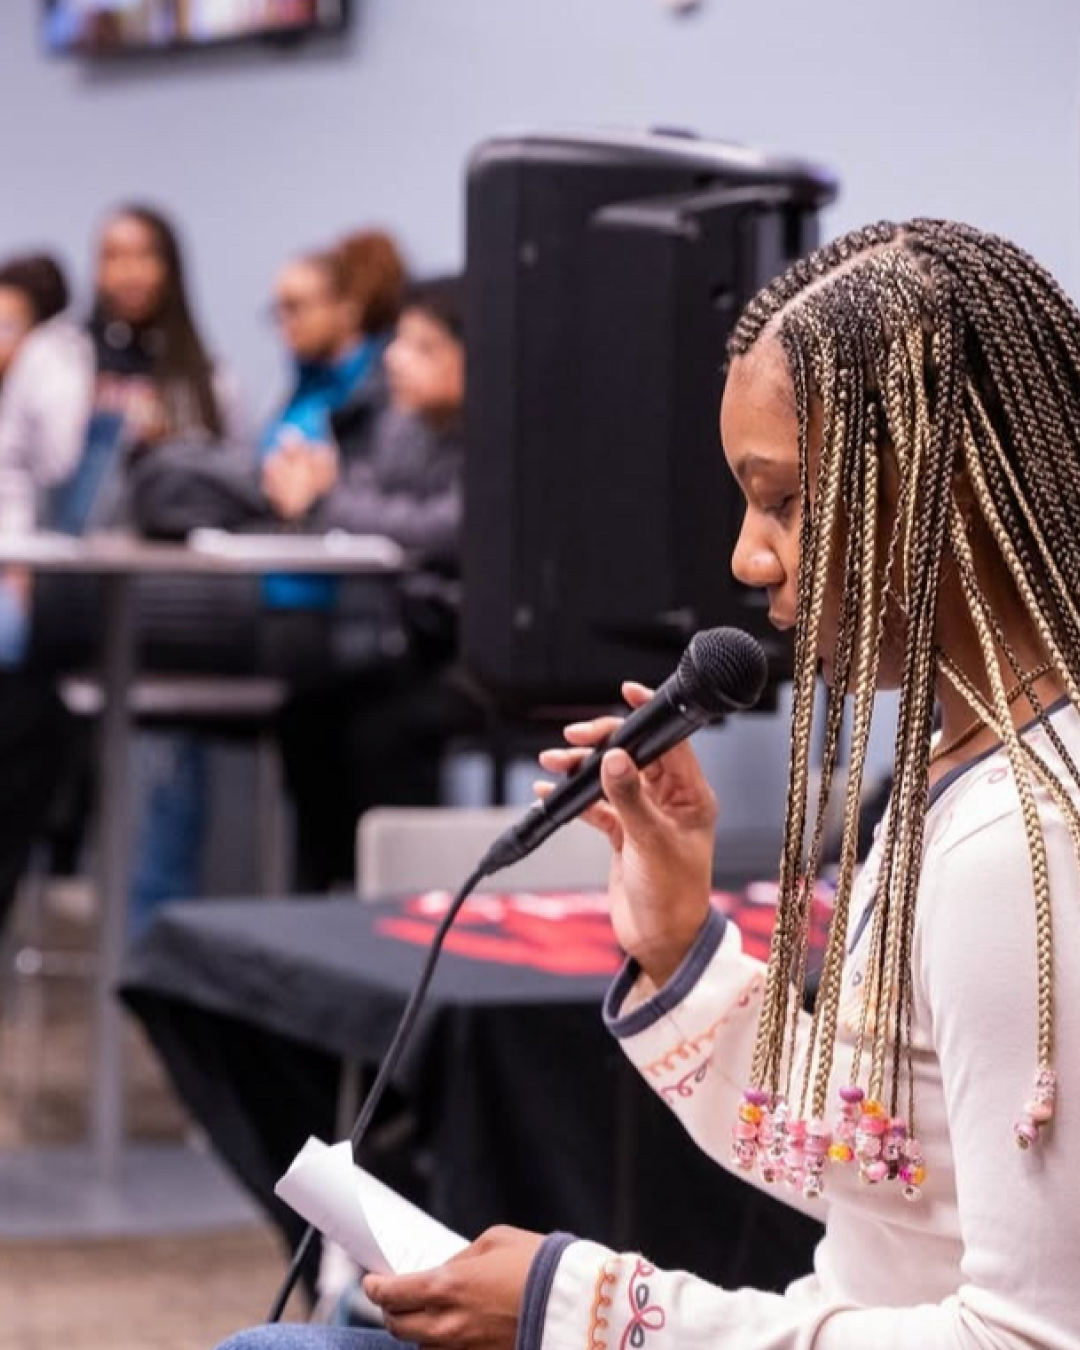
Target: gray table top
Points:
(206, 551)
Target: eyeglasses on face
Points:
(284, 307)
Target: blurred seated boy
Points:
(371, 732)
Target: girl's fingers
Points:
(563, 760)
(592, 732)
(587, 734)
(636, 694)
(600, 815)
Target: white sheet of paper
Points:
(379, 1229)
(375, 549)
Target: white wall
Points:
(952, 107)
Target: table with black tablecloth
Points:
(525, 1110)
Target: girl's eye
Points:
(782, 509)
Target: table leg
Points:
(114, 868)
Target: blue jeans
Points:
(305, 1336)
(14, 628)
(171, 777)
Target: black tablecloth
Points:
(526, 1110)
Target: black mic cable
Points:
(382, 1079)
(722, 670)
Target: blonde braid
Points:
(977, 607)
(911, 322)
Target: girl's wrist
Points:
(660, 960)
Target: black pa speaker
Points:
(604, 274)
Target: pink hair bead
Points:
(1026, 1133)
(851, 1094)
(1039, 1112)
(872, 1124)
(756, 1096)
(875, 1172)
(1046, 1078)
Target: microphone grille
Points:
(723, 669)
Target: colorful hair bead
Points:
(912, 1169)
(844, 1127)
(746, 1131)
(775, 1129)
(869, 1142)
(865, 1133)
(795, 1154)
(815, 1150)
(1038, 1111)
(892, 1141)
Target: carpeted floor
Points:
(160, 1293)
(168, 1293)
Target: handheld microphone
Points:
(723, 670)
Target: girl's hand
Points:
(661, 825)
(473, 1302)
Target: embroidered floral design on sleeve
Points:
(692, 1045)
(685, 1086)
(644, 1316)
(599, 1320)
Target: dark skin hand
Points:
(473, 1302)
(660, 824)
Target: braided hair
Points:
(944, 364)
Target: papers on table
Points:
(379, 1229)
(37, 546)
(276, 549)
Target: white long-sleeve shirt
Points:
(989, 1258)
(47, 399)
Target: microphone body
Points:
(721, 671)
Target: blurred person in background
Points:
(334, 311)
(81, 403)
(373, 732)
(33, 289)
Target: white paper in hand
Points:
(379, 1229)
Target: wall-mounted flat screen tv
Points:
(114, 27)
